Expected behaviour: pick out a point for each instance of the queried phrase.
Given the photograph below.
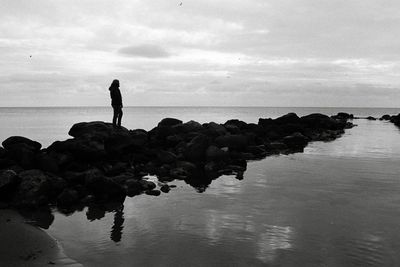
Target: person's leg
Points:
(114, 121)
(120, 116)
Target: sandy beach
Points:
(25, 245)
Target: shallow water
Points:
(336, 204)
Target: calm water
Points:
(46, 125)
(336, 204)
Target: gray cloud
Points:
(146, 51)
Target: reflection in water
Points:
(320, 208)
(273, 239)
(116, 232)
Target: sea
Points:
(335, 204)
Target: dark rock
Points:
(371, 118)
(23, 154)
(343, 116)
(133, 187)
(86, 149)
(153, 192)
(277, 146)
(147, 185)
(385, 117)
(103, 187)
(18, 140)
(237, 142)
(8, 183)
(68, 197)
(321, 121)
(169, 122)
(214, 153)
(165, 188)
(47, 163)
(35, 189)
(216, 128)
(196, 148)
(237, 123)
(166, 157)
(288, 118)
(99, 129)
(192, 126)
(296, 140)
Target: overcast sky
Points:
(200, 52)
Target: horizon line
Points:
(200, 106)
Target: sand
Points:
(22, 244)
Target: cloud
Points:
(146, 51)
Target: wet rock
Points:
(35, 189)
(86, 149)
(147, 185)
(192, 126)
(385, 117)
(103, 187)
(371, 118)
(9, 181)
(196, 148)
(288, 118)
(18, 141)
(236, 142)
(215, 129)
(169, 122)
(46, 162)
(165, 188)
(166, 157)
(296, 140)
(343, 116)
(68, 197)
(214, 153)
(153, 192)
(99, 129)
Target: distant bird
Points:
(180, 3)
(30, 56)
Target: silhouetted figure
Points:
(116, 231)
(116, 103)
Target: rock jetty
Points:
(392, 118)
(102, 164)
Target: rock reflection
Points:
(116, 232)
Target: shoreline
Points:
(27, 245)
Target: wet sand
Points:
(25, 245)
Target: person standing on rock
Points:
(116, 103)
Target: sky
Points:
(323, 53)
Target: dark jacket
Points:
(116, 98)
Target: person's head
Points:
(115, 83)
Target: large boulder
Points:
(343, 116)
(13, 141)
(169, 122)
(288, 118)
(23, 154)
(95, 128)
(84, 148)
(35, 189)
(321, 122)
(385, 117)
(9, 181)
